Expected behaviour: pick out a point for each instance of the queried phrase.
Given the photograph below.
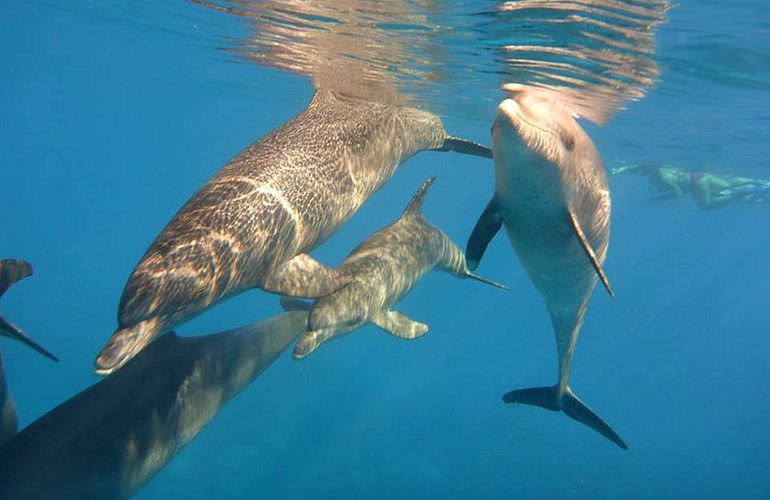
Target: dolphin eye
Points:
(567, 140)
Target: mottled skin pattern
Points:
(552, 197)
(382, 270)
(109, 440)
(278, 199)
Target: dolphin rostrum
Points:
(11, 271)
(252, 224)
(381, 271)
(112, 438)
(552, 196)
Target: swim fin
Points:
(548, 398)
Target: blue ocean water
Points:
(113, 115)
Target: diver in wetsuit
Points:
(710, 190)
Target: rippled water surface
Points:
(114, 113)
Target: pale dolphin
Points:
(11, 271)
(252, 224)
(552, 196)
(110, 439)
(381, 271)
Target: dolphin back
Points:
(110, 439)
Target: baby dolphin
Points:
(112, 438)
(552, 196)
(381, 271)
(252, 224)
(11, 271)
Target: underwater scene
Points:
(395, 249)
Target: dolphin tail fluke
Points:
(578, 410)
(482, 279)
(464, 146)
(544, 397)
(10, 330)
(548, 397)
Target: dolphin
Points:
(112, 438)
(381, 271)
(11, 271)
(254, 222)
(8, 418)
(552, 196)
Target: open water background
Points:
(113, 114)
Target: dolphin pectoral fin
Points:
(12, 331)
(482, 279)
(309, 342)
(486, 228)
(465, 146)
(303, 276)
(590, 252)
(294, 304)
(400, 325)
(11, 271)
(548, 398)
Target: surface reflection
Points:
(595, 54)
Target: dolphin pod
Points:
(552, 197)
(382, 270)
(252, 224)
(110, 439)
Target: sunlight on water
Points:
(595, 55)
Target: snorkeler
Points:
(710, 190)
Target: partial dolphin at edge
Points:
(112, 438)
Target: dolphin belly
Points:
(551, 196)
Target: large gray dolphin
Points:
(11, 271)
(252, 224)
(552, 196)
(110, 439)
(381, 271)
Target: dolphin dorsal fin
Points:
(590, 252)
(414, 207)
